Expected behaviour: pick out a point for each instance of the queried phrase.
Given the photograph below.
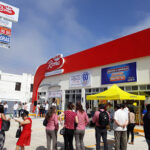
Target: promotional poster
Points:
(119, 74)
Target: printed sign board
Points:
(56, 94)
(80, 79)
(4, 39)
(5, 23)
(119, 74)
(9, 12)
(55, 63)
(5, 31)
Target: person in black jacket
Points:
(146, 120)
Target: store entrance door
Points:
(73, 96)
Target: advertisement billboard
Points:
(5, 23)
(9, 12)
(4, 39)
(5, 31)
(119, 74)
(80, 80)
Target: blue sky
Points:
(50, 27)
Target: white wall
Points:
(8, 83)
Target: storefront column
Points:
(63, 100)
(83, 99)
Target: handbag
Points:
(45, 122)
(62, 131)
(18, 133)
(75, 125)
(5, 125)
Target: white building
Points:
(125, 62)
(15, 87)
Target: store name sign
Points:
(54, 65)
(9, 12)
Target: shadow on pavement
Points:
(41, 148)
(60, 144)
(89, 148)
(5, 149)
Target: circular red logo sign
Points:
(6, 10)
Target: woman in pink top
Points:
(83, 120)
(52, 128)
(70, 118)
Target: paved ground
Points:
(38, 141)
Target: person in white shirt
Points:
(120, 128)
(15, 109)
(54, 102)
(28, 107)
(37, 109)
(126, 109)
(5, 107)
(46, 108)
(25, 106)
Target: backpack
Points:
(103, 118)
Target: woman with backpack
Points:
(101, 119)
(70, 118)
(52, 128)
(83, 120)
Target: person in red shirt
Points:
(25, 138)
(70, 118)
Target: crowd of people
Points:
(18, 107)
(75, 120)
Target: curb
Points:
(139, 130)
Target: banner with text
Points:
(55, 94)
(80, 80)
(119, 74)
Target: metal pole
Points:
(139, 113)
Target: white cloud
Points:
(143, 24)
(48, 28)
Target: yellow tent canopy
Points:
(114, 93)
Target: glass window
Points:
(142, 87)
(87, 90)
(31, 88)
(128, 88)
(134, 88)
(18, 86)
(94, 90)
(105, 88)
(73, 91)
(122, 87)
(101, 89)
(97, 90)
(148, 87)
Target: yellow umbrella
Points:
(114, 93)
